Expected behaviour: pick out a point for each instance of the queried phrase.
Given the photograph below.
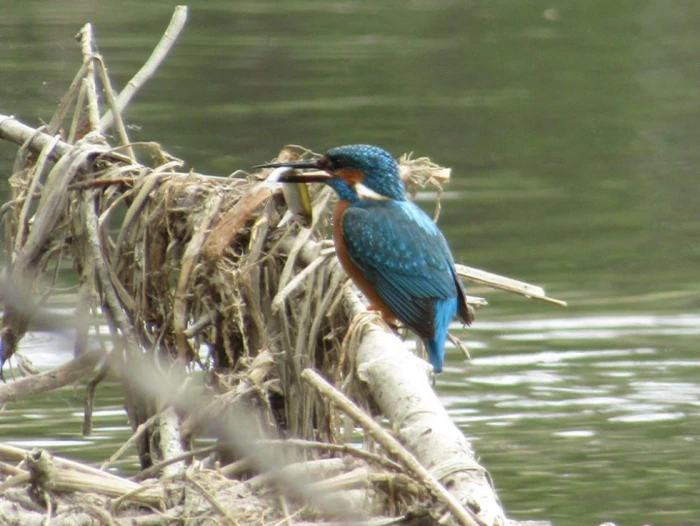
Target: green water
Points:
(571, 128)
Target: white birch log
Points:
(399, 382)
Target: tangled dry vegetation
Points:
(197, 273)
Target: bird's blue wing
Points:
(404, 257)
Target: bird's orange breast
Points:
(351, 269)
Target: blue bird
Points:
(390, 248)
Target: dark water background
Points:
(572, 129)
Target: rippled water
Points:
(600, 413)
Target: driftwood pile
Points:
(195, 275)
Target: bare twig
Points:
(508, 284)
(460, 345)
(58, 377)
(201, 324)
(177, 23)
(78, 111)
(212, 500)
(187, 455)
(344, 449)
(281, 296)
(74, 89)
(140, 430)
(112, 103)
(87, 46)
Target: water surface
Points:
(571, 128)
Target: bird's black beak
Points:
(293, 177)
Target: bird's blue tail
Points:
(444, 310)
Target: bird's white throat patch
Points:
(368, 193)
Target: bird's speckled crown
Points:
(381, 173)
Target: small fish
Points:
(297, 197)
(299, 203)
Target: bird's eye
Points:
(341, 161)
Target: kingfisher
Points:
(390, 248)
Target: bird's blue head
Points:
(356, 171)
(370, 166)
